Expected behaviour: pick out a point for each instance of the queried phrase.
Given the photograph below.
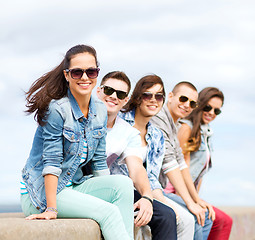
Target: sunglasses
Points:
(192, 103)
(147, 96)
(109, 91)
(208, 108)
(77, 73)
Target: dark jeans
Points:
(163, 221)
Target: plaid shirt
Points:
(156, 149)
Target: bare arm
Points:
(183, 136)
(141, 182)
(176, 178)
(51, 183)
(199, 185)
(158, 195)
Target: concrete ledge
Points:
(14, 227)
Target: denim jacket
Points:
(58, 145)
(156, 149)
(198, 159)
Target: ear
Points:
(98, 92)
(170, 96)
(126, 99)
(65, 74)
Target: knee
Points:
(123, 182)
(168, 217)
(124, 187)
(228, 221)
(188, 219)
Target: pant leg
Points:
(221, 227)
(163, 221)
(186, 223)
(116, 189)
(74, 202)
(201, 233)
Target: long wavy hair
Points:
(195, 117)
(141, 86)
(52, 85)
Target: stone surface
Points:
(14, 226)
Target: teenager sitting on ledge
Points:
(71, 135)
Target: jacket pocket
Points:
(99, 132)
(71, 141)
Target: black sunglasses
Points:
(147, 96)
(208, 108)
(77, 73)
(109, 91)
(192, 103)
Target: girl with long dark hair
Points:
(66, 174)
(195, 139)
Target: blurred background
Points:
(209, 43)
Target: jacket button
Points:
(72, 137)
(99, 133)
(80, 120)
(37, 208)
(68, 173)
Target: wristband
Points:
(51, 209)
(145, 197)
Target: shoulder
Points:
(185, 122)
(58, 103)
(99, 107)
(59, 106)
(161, 119)
(128, 116)
(124, 128)
(155, 131)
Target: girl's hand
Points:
(205, 204)
(44, 215)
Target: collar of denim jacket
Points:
(76, 109)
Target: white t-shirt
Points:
(122, 140)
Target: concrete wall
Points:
(13, 226)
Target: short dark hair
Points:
(119, 76)
(183, 83)
(141, 86)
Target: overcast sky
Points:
(210, 43)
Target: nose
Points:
(186, 104)
(84, 76)
(211, 111)
(153, 99)
(114, 95)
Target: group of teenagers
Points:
(121, 160)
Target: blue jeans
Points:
(201, 233)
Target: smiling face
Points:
(181, 109)
(150, 107)
(214, 102)
(83, 86)
(112, 102)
